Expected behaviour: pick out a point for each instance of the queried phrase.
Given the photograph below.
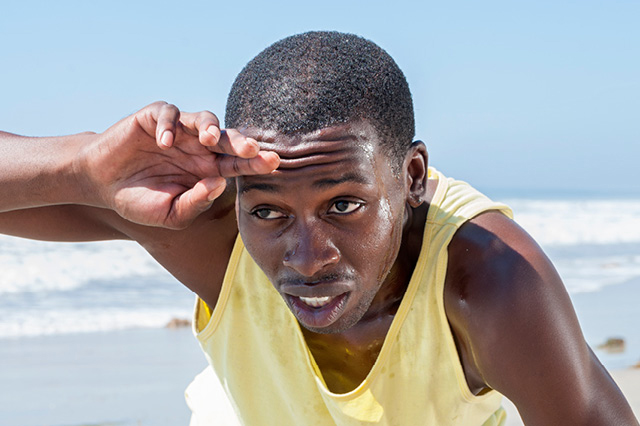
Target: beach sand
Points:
(131, 377)
(122, 378)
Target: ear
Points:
(415, 166)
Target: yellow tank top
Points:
(258, 352)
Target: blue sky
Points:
(509, 95)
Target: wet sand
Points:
(132, 377)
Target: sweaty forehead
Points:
(349, 141)
(328, 156)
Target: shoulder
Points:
(497, 278)
(493, 261)
(515, 326)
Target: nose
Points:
(311, 250)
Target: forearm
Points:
(38, 172)
(70, 222)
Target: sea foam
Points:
(52, 288)
(45, 266)
(560, 222)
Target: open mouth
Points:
(318, 312)
(317, 302)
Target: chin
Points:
(331, 329)
(345, 322)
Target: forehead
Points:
(347, 152)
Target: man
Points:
(340, 280)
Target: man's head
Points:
(315, 80)
(328, 225)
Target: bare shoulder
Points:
(493, 261)
(516, 329)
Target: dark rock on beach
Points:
(613, 345)
(178, 323)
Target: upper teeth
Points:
(316, 302)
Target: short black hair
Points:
(314, 80)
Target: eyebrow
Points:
(266, 187)
(319, 184)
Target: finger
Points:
(167, 118)
(234, 143)
(263, 163)
(205, 125)
(188, 205)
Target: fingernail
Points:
(216, 192)
(164, 139)
(254, 143)
(214, 131)
(213, 195)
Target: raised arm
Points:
(156, 177)
(517, 332)
(158, 167)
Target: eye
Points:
(344, 207)
(264, 213)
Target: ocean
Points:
(51, 288)
(61, 288)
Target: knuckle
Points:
(169, 111)
(219, 166)
(211, 117)
(201, 121)
(170, 107)
(236, 166)
(157, 105)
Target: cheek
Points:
(391, 245)
(391, 214)
(257, 244)
(380, 241)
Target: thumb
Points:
(188, 205)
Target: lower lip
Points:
(320, 317)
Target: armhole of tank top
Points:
(454, 356)
(441, 272)
(215, 315)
